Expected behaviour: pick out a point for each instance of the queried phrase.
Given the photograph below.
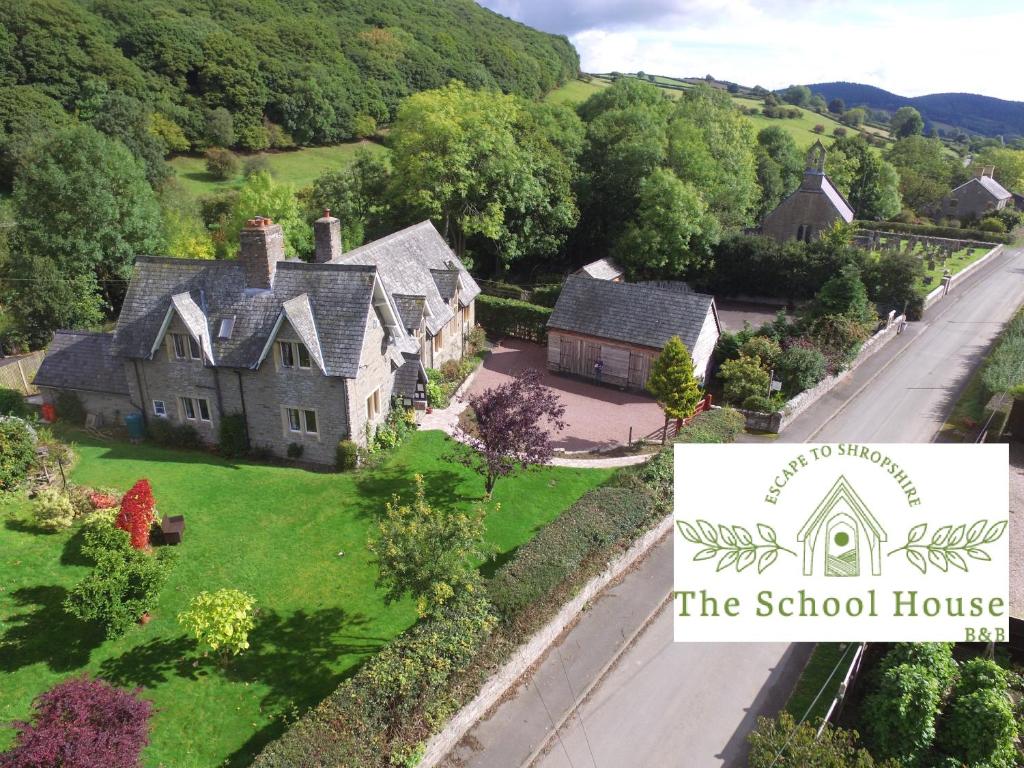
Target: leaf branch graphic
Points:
(733, 545)
(949, 546)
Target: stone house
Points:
(976, 198)
(307, 353)
(812, 209)
(81, 362)
(626, 325)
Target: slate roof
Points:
(408, 375)
(406, 261)
(993, 187)
(338, 297)
(82, 360)
(644, 315)
(602, 269)
(410, 309)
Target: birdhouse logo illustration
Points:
(842, 537)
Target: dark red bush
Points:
(82, 723)
(136, 515)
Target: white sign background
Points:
(727, 485)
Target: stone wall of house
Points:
(376, 374)
(803, 207)
(972, 201)
(111, 408)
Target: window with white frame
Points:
(160, 409)
(293, 354)
(301, 421)
(373, 405)
(195, 408)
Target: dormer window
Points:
(293, 354)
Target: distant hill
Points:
(323, 70)
(971, 112)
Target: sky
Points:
(909, 47)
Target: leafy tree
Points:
(1009, 165)
(927, 172)
(712, 146)
(672, 231)
(780, 167)
(220, 128)
(357, 196)
(127, 119)
(836, 106)
(137, 513)
(764, 348)
(845, 294)
(26, 112)
(121, 587)
(17, 453)
(428, 553)
(892, 280)
(797, 95)
(743, 378)
(855, 116)
(486, 167)
(260, 195)
(980, 730)
(221, 163)
(899, 715)
(672, 383)
(169, 133)
(221, 620)
(870, 183)
(82, 723)
(800, 367)
(183, 228)
(780, 741)
(906, 122)
(513, 422)
(84, 211)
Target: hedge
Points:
(934, 230)
(510, 317)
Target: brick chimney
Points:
(327, 231)
(261, 247)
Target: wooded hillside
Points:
(258, 73)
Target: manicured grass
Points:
(273, 531)
(575, 92)
(955, 263)
(816, 676)
(299, 167)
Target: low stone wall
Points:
(970, 269)
(776, 422)
(531, 652)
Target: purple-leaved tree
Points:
(82, 723)
(514, 422)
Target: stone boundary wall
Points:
(942, 290)
(927, 239)
(777, 421)
(506, 679)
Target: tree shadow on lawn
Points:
(292, 655)
(45, 634)
(379, 486)
(26, 526)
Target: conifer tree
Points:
(672, 382)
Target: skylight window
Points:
(227, 325)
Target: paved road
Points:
(673, 705)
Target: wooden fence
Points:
(840, 698)
(17, 372)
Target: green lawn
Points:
(816, 678)
(299, 167)
(955, 263)
(272, 531)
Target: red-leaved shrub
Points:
(102, 500)
(136, 515)
(82, 723)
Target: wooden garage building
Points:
(626, 325)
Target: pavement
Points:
(733, 314)
(692, 705)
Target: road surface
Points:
(666, 704)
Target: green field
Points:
(272, 531)
(575, 91)
(298, 167)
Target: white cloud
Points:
(911, 48)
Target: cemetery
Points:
(938, 254)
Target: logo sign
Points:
(833, 542)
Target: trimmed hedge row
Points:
(511, 317)
(383, 715)
(934, 230)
